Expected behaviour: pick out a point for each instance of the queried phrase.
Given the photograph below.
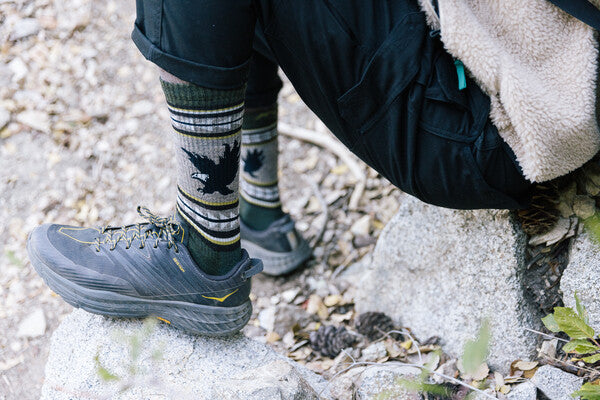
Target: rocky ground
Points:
(85, 138)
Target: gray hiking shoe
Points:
(142, 270)
(280, 247)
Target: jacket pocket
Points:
(388, 73)
(447, 111)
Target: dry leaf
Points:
(514, 379)
(323, 312)
(300, 354)
(530, 373)
(378, 224)
(525, 365)
(272, 337)
(426, 349)
(362, 226)
(313, 304)
(499, 380)
(313, 206)
(393, 349)
(8, 364)
(481, 373)
(339, 169)
(339, 318)
(332, 300)
(407, 344)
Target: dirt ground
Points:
(85, 138)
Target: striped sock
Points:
(207, 124)
(259, 195)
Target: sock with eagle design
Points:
(259, 193)
(207, 124)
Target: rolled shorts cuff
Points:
(208, 76)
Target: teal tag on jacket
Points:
(460, 70)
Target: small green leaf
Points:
(581, 309)
(476, 350)
(550, 323)
(592, 225)
(580, 346)
(105, 375)
(591, 359)
(571, 324)
(13, 259)
(588, 392)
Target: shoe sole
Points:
(275, 263)
(193, 318)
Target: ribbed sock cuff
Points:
(193, 96)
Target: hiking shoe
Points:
(280, 247)
(142, 270)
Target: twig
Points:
(349, 258)
(407, 333)
(327, 142)
(571, 364)
(447, 377)
(325, 209)
(545, 334)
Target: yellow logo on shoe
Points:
(220, 299)
(178, 264)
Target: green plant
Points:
(13, 259)
(473, 363)
(134, 342)
(476, 351)
(583, 340)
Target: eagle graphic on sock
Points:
(253, 162)
(216, 176)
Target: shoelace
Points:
(159, 228)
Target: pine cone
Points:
(373, 325)
(449, 391)
(329, 340)
(542, 214)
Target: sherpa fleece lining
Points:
(539, 66)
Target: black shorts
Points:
(371, 71)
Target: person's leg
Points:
(267, 232)
(166, 267)
(207, 48)
(260, 204)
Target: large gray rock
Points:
(556, 384)
(441, 272)
(188, 367)
(582, 275)
(524, 391)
